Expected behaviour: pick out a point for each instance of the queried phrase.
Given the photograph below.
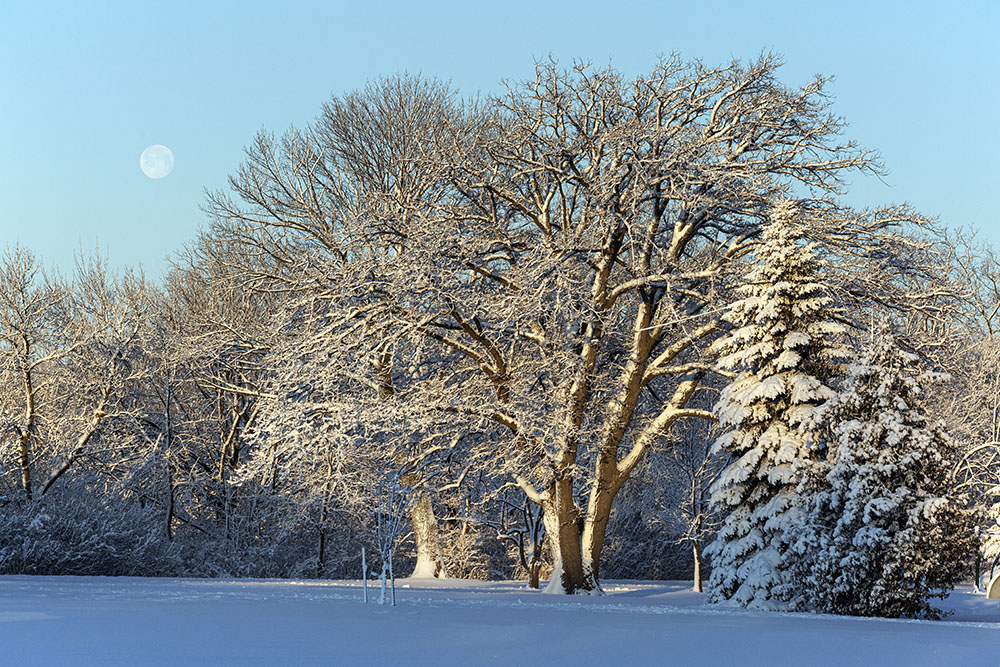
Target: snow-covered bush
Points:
(470, 554)
(882, 532)
(781, 351)
(79, 534)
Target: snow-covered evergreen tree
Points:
(881, 533)
(782, 348)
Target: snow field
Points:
(128, 621)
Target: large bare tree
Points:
(546, 270)
(571, 281)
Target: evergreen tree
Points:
(881, 534)
(781, 350)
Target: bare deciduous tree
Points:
(74, 351)
(569, 283)
(544, 271)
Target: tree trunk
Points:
(430, 562)
(166, 461)
(602, 497)
(534, 570)
(562, 529)
(324, 515)
(321, 562)
(696, 548)
(25, 462)
(170, 505)
(24, 455)
(608, 477)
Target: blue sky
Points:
(86, 86)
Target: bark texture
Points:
(430, 561)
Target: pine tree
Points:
(781, 350)
(881, 533)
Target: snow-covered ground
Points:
(111, 621)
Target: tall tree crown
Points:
(784, 356)
(882, 532)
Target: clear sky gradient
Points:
(86, 86)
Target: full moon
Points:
(156, 161)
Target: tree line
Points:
(562, 331)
